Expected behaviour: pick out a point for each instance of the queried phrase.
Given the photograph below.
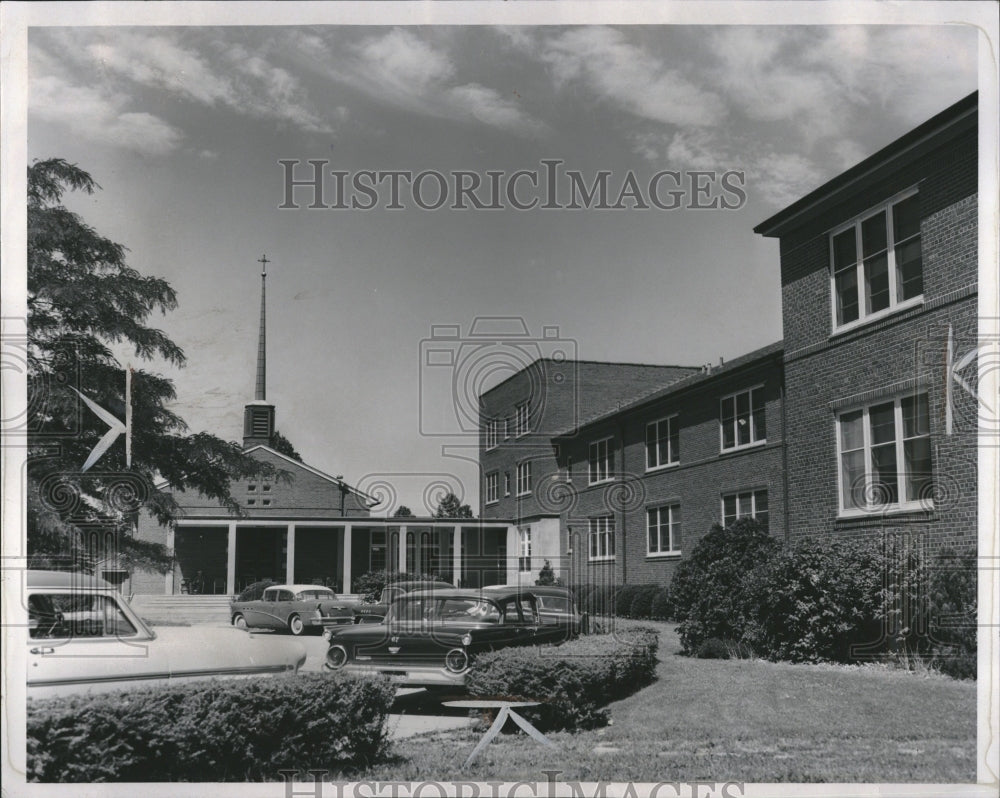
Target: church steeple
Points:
(258, 415)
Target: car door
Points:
(85, 638)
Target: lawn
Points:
(738, 720)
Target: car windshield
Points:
(388, 594)
(309, 595)
(77, 614)
(449, 609)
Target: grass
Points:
(740, 720)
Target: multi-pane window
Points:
(524, 548)
(524, 478)
(492, 433)
(493, 487)
(601, 466)
(877, 262)
(602, 538)
(521, 419)
(663, 445)
(885, 456)
(506, 483)
(663, 529)
(742, 417)
(750, 503)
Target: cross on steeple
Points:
(263, 261)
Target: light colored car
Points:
(293, 608)
(84, 637)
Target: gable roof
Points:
(338, 482)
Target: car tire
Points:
(295, 625)
(240, 622)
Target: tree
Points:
(84, 299)
(450, 506)
(403, 512)
(282, 445)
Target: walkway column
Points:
(402, 549)
(290, 555)
(513, 555)
(231, 561)
(456, 556)
(169, 585)
(346, 565)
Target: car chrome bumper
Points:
(410, 675)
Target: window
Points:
(524, 549)
(602, 538)
(506, 483)
(876, 261)
(251, 501)
(77, 614)
(885, 456)
(524, 478)
(752, 503)
(492, 487)
(601, 464)
(267, 488)
(743, 421)
(251, 488)
(266, 502)
(663, 530)
(492, 433)
(521, 419)
(663, 445)
(506, 428)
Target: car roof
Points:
(67, 579)
(470, 592)
(538, 590)
(298, 588)
(413, 583)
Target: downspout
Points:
(622, 502)
(784, 450)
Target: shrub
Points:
(596, 599)
(953, 618)
(623, 600)
(547, 576)
(370, 585)
(662, 609)
(255, 590)
(642, 604)
(238, 730)
(573, 681)
(705, 590)
(714, 648)
(818, 600)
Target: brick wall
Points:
(902, 353)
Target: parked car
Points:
(375, 613)
(84, 637)
(556, 605)
(294, 608)
(429, 637)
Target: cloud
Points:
(99, 117)
(406, 70)
(627, 76)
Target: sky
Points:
(184, 129)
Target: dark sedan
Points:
(375, 613)
(429, 638)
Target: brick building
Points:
(878, 274)
(858, 422)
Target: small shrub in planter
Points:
(573, 681)
(662, 609)
(238, 730)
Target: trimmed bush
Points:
(624, 598)
(642, 604)
(234, 730)
(706, 587)
(714, 648)
(663, 609)
(953, 616)
(596, 599)
(573, 681)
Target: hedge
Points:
(230, 730)
(573, 681)
(663, 608)
(642, 605)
